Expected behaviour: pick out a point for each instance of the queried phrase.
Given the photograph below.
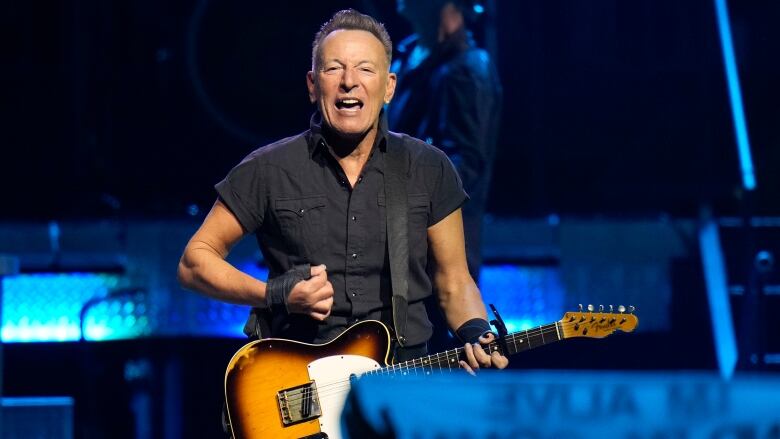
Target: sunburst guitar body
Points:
(276, 388)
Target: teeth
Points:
(349, 101)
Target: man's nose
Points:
(348, 79)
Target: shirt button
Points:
(360, 179)
(354, 218)
(354, 255)
(302, 210)
(353, 294)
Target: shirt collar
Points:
(317, 140)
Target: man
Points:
(449, 94)
(316, 204)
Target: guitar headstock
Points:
(597, 324)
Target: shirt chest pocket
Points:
(301, 222)
(417, 217)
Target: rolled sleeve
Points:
(449, 194)
(243, 192)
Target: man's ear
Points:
(392, 78)
(311, 86)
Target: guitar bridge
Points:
(298, 404)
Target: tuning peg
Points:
(590, 308)
(601, 308)
(611, 309)
(631, 309)
(622, 309)
(580, 307)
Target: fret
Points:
(533, 340)
(452, 358)
(525, 342)
(426, 363)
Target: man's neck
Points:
(351, 153)
(350, 147)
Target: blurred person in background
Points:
(449, 95)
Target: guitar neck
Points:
(448, 360)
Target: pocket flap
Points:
(300, 205)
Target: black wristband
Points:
(278, 288)
(471, 331)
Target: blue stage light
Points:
(735, 95)
(46, 306)
(526, 296)
(717, 291)
(123, 315)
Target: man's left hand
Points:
(476, 358)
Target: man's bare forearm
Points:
(204, 270)
(460, 300)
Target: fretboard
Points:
(448, 360)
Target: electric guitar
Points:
(276, 388)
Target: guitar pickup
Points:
(299, 404)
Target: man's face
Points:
(352, 82)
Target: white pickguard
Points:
(331, 376)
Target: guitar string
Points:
(332, 388)
(406, 368)
(327, 388)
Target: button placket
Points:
(353, 255)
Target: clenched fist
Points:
(313, 296)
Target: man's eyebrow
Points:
(336, 60)
(363, 61)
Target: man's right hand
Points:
(314, 296)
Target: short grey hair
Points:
(350, 19)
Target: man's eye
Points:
(332, 69)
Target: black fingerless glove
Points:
(470, 331)
(278, 289)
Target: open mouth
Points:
(349, 104)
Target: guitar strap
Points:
(396, 210)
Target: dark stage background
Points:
(137, 108)
(616, 151)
